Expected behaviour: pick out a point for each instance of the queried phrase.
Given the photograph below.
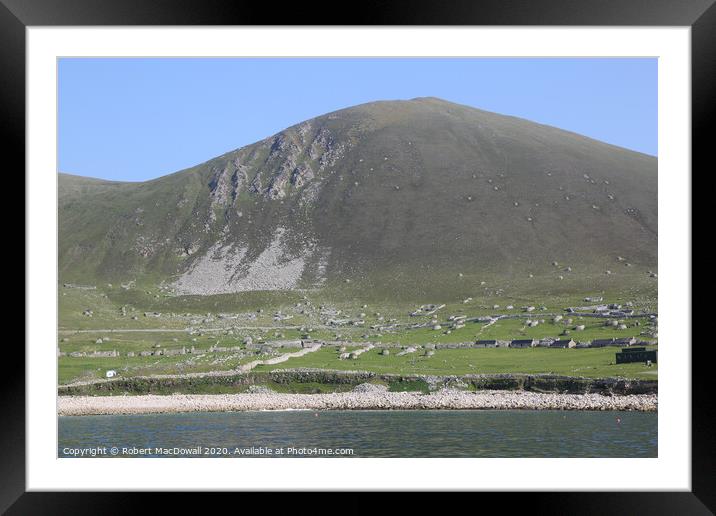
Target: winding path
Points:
(244, 368)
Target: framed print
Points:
(334, 257)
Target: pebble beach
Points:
(356, 400)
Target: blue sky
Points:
(137, 119)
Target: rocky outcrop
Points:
(301, 175)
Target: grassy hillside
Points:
(396, 200)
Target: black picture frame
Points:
(700, 15)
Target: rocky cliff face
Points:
(399, 190)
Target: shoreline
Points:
(441, 400)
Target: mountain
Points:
(389, 194)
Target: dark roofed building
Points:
(600, 343)
(523, 343)
(633, 354)
(563, 343)
(625, 341)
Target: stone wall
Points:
(513, 382)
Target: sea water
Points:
(416, 433)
